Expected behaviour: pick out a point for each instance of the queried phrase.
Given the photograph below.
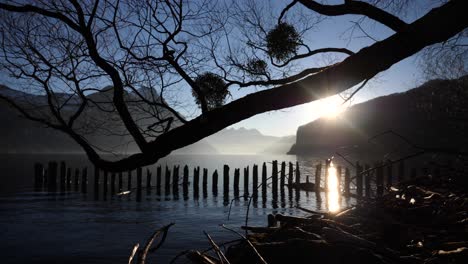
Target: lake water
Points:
(70, 227)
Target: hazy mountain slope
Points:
(432, 115)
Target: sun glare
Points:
(330, 109)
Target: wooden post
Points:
(167, 181)
(339, 173)
(105, 184)
(196, 181)
(185, 182)
(379, 179)
(76, 180)
(401, 171)
(214, 184)
(63, 171)
(246, 181)
(389, 175)
(139, 178)
(129, 180)
(226, 178)
(38, 176)
(264, 179)
(68, 179)
(112, 183)
(255, 180)
(283, 175)
(96, 182)
(205, 182)
(290, 175)
(274, 178)
(359, 179)
(120, 182)
(175, 181)
(325, 182)
(298, 174)
(236, 182)
(367, 181)
(158, 180)
(347, 181)
(148, 179)
(318, 177)
(84, 180)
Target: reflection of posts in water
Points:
(38, 176)
(205, 182)
(274, 178)
(214, 183)
(96, 182)
(120, 187)
(255, 180)
(359, 179)
(167, 182)
(226, 179)
(84, 180)
(63, 171)
(246, 182)
(158, 180)
(236, 182)
(196, 181)
(264, 180)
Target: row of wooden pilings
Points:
(381, 176)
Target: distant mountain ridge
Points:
(433, 115)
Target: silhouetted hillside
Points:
(432, 115)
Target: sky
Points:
(400, 77)
(333, 32)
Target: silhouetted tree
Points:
(150, 52)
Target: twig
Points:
(146, 249)
(218, 251)
(134, 250)
(262, 260)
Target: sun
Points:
(330, 108)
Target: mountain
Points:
(247, 141)
(434, 115)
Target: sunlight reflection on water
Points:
(333, 190)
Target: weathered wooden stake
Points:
(63, 171)
(167, 181)
(120, 181)
(339, 173)
(68, 179)
(255, 180)
(84, 180)
(274, 178)
(38, 176)
(76, 180)
(347, 181)
(325, 181)
(158, 180)
(196, 181)
(367, 181)
(112, 183)
(175, 181)
(185, 182)
(380, 179)
(264, 179)
(139, 178)
(283, 175)
(214, 183)
(148, 179)
(96, 182)
(298, 174)
(318, 177)
(236, 182)
(359, 179)
(104, 184)
(129, 180)
(226, 178)
(205, 182)
(290, 175)
(246, 181)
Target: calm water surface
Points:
(40, 227)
